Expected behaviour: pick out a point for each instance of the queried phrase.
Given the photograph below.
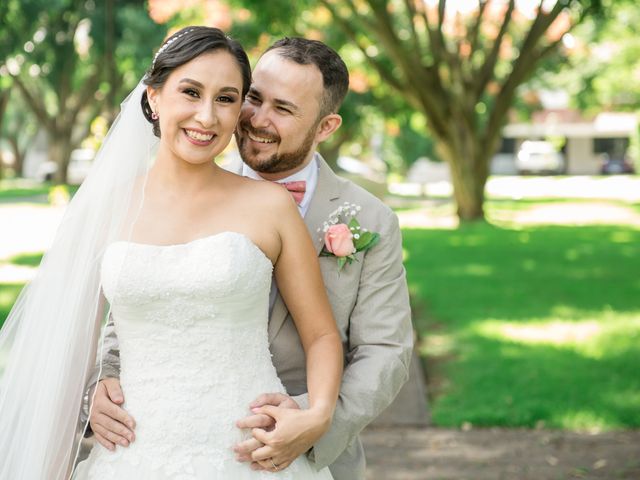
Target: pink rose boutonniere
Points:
(344, 237)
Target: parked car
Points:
(615, 165)
(537, 156)
(79, 165)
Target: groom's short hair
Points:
(335, 76)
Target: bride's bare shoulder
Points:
(265, 198)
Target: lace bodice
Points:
(191, 321)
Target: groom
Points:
(298, 87)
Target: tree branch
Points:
(85, 94)
(411, 13)
(417, 77)
(485, 74)
(434, 42)
(475, 29)
(37, 106)
(523, 67)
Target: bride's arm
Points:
(300, 283)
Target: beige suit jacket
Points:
(370, 303)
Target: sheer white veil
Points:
(48, 343)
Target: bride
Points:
(181, 253)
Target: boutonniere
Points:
(343, 235)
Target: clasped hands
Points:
(281, 431)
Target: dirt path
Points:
(500, 454)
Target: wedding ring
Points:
(274, 464)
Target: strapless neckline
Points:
(213, 236)
(192, 327)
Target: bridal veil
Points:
(48, 343)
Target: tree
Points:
(18, 129)
(62, 58)
(460, 67)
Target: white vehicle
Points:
(539, 157)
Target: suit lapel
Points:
(325, 200)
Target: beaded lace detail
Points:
(191, 321)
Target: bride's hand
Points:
(294, 434)
(244, 449)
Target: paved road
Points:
(500, 454)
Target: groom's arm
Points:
(110, 366)
(379, 346)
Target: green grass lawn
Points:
(15, 190)
(27, 259)
(17, 193)
(526, 327)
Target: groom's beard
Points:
(277, 162)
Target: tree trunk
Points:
(18, 156)
(4, 101)
(60, 148)
(469, 166)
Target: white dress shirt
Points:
(308, 174)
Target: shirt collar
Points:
(308, 174)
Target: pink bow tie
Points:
(297, 189)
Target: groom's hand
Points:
(110, 423)
(245, 449)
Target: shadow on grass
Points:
(481, 277)
(513, 384)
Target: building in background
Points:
(587, 145)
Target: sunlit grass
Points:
(22, 189)
(529, 326)
(9, 192)
(27, 259)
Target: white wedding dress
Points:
(191, 321)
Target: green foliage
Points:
(70, 60)
(526, 327)
(600, 72)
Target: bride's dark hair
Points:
(182, 47)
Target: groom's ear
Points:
(329, 124)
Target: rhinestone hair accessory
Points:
(166, 45)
